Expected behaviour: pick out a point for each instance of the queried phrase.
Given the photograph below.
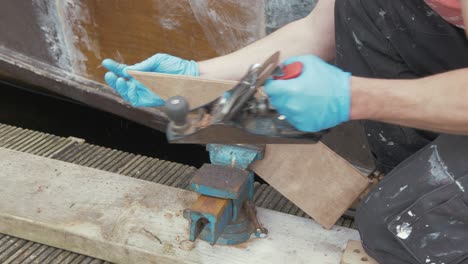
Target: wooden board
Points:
(313, 177)
(168, 85)
(355, 254)
(126, 220)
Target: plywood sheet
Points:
(126, 220)
(313, 177)
(168, 85)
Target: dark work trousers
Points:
(419, 212)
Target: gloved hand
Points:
(135, 92)
(318, 99)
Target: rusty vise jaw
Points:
(224, 212)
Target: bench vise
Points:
(224, 213)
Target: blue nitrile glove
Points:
(318, 99)
(135, 92)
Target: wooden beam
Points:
(313, 177)
(126, 220)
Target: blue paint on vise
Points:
(214, 192)
(234, 156)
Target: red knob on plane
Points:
(290, 71)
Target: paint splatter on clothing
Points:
(450, 10)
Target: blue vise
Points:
(224, 213)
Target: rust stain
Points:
(38, 210)
(211, 205)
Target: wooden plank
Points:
(168, 85)
(313, 177)
(355, 254)
(126, 220)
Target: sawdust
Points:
(187, 245)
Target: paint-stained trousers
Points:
(419, 212)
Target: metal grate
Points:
(77, 151)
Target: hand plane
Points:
(242, 115)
